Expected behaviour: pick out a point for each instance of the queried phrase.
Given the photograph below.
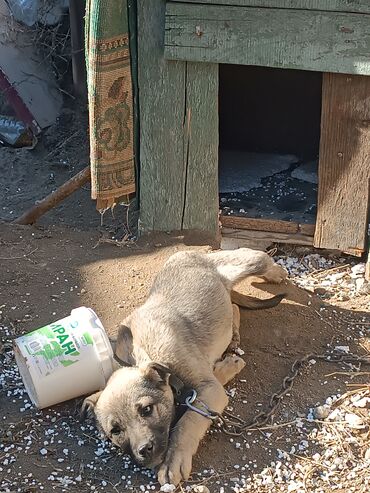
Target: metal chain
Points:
(236, 426)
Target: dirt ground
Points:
(65, 262)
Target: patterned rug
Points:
(110, 102)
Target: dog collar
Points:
(120, 361)
(185, 399)
(179, 389)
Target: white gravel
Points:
(340, 279)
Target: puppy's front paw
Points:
(238, 362)
(176, 467)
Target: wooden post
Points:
(76, 20)
(61, 193)
(179, 157)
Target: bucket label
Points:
(55, 345)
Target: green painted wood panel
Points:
(178, 155)
(296, 39)
(201, 199)
(334, 5)
(161, 135)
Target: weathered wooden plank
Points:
(259, 224)
(272, 225)
(178, 133)
(344, 165)
(362, 6)
(263, 236)
(234, 243)
(201, 146)
(307, 229)
(162, 103)
(308, 40)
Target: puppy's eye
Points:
(116, 430)
(146, 411)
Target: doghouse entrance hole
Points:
(269, 142)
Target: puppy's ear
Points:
(157, 372)
(123, 346)
(88, 405)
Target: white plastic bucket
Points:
(65, 359)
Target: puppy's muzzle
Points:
(145, 450)
(149, 454)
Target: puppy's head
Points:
(135, 411)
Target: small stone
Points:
(320, 291)
(358, 269)
(43, 451)
(322, 412)
(342, 349)
(353, 420)
(367, 454)
(359, 283)
(200, 488)
(168, 488)
(303, 445)
(232, 392)
(335, 415)
(364, 402)
(83, 291)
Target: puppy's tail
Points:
(234, 265)
(252, 303)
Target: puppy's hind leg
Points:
(227, 368)
(235, 341)
(235, 265)
(275, 274)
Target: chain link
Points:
(236, 426)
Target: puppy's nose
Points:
(145, 449)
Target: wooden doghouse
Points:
(180, 47)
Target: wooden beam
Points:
(310, 40)
(307, 229)
(361, 6)
(277, 226)
(272, 237)
(54, 198)
(256, 224)
(344, 165)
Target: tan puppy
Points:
(179, 334)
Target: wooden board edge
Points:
(272, 237)
(267, 225)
